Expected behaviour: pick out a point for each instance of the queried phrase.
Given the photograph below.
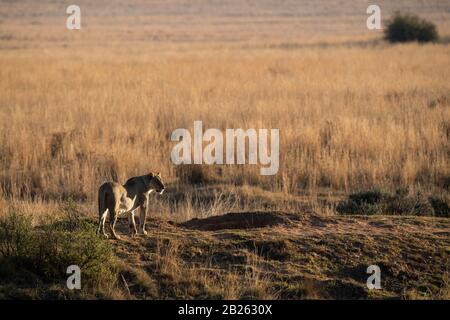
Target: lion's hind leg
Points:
(101, 223)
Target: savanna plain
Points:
(364, 172)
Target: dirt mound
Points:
(240, 220)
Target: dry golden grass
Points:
(79, 108)
(349, 117)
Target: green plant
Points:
(16, 237)
(196, 174)
(440, 206)
(38, 256)
(367, 202)
(402, 202)
(407, 27)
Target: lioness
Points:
(117, 199)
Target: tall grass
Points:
(349, 118)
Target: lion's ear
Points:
(159, 174)
(151, 174)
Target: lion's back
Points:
(110, 191)
(134, 185)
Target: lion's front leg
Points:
(143, 216)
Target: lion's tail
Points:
(102, 193)
(102, 200)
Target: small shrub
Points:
(402, 202)
(16, 238)
(35, 257)
(409, 204)
(440, 206)
(59, 249)
(406, 27)
(196, 174)
(369, 197)
(366, 202)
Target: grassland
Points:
(350, 118)
(243, 255)
(354, 113)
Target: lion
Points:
(117, 199)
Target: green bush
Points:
(195, 174)
(16, 237)
(406, 27)
(366, 202)
(402, 202)
(35, 257)
(441, 206)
